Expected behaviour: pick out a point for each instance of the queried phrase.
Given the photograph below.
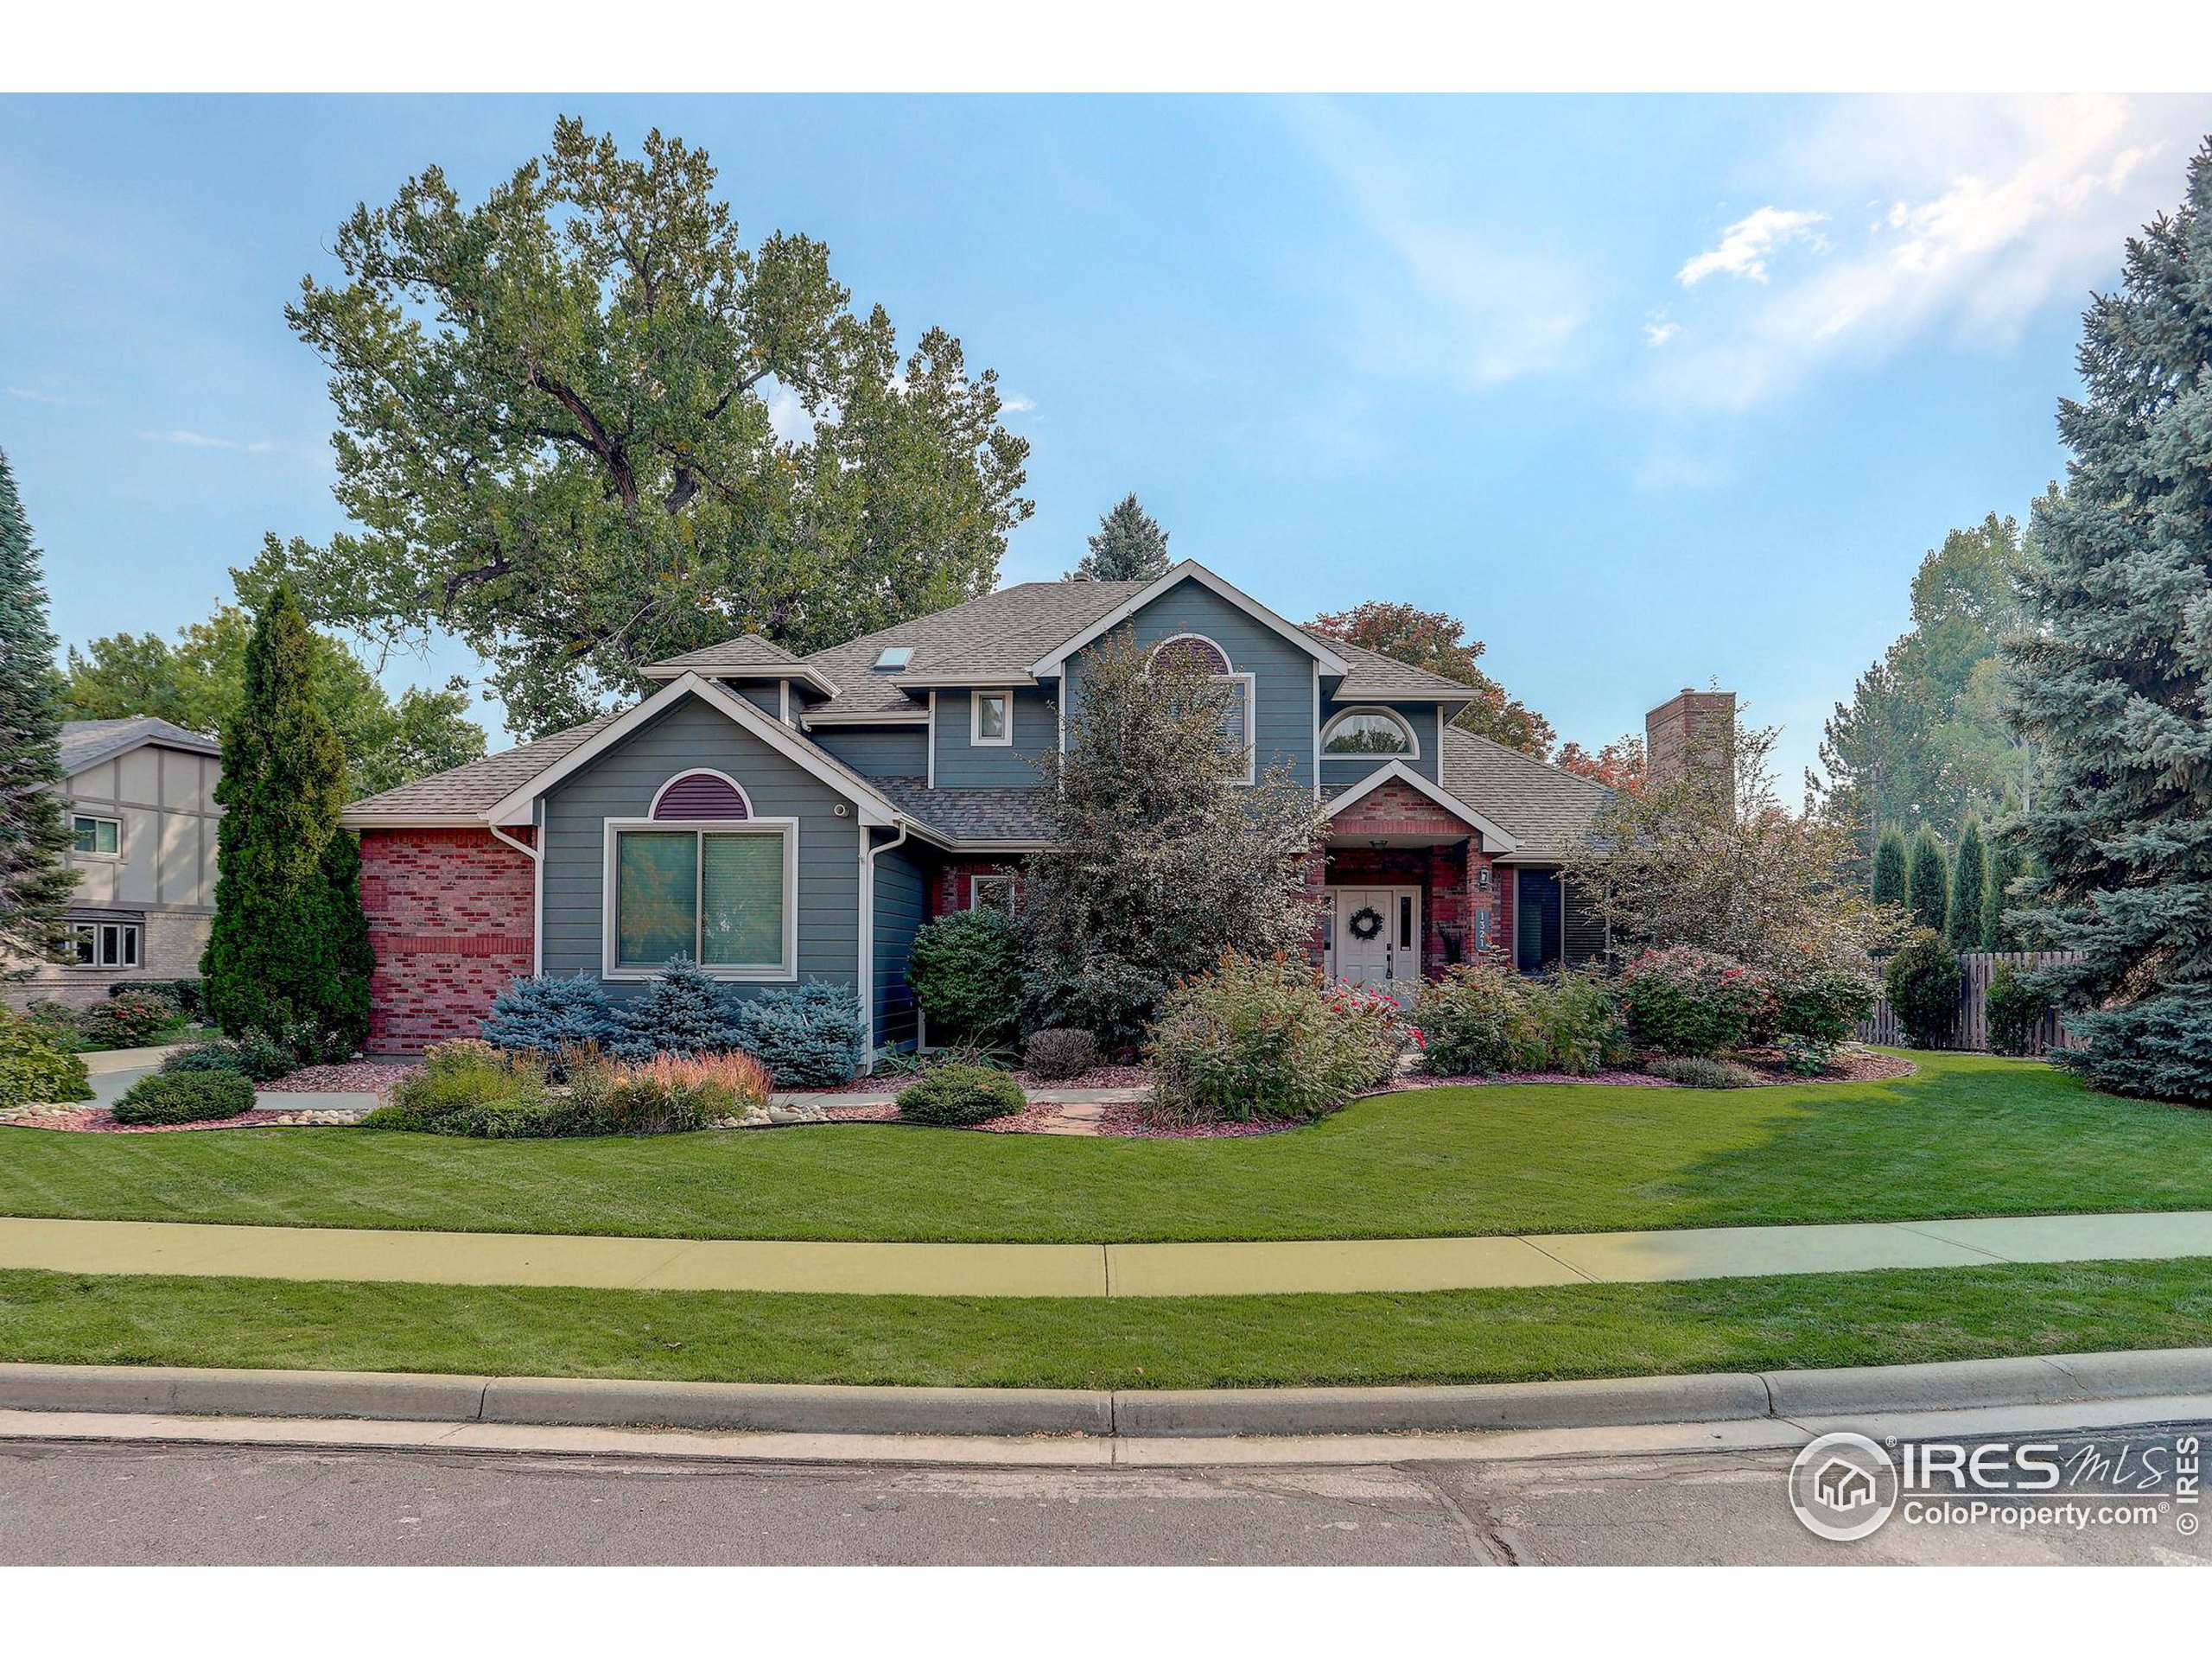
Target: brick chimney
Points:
(1692, 731)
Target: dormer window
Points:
(894, 657)
(1368, 731)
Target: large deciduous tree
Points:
(34, 883)
(1437, 641)
(1131, 546)
(1621, 764)
(2114, 681)
(583, 425)
(288, 952)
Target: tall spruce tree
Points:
(1890, 868)
(1928, 882)
(1969, 888)
(35, 884)
(2113, 678)
(1997, 930)
(287, 954)
(1131, 546)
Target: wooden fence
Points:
(1970, 1029)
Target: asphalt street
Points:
(69, 1502)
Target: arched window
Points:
(1368, 731)
(1194, 651)
(694, 795)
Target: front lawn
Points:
(1473, 1336)
(1968, 1135)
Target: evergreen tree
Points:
(1889, 869)
(1997, 933)
(35, 884)
(2114, 679)
(287, 948)
(1969, 888)
(1928, 882)
(1131, 546)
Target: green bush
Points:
(1269, 1038)
(966, 969)
(34, 1069)
(186, 1097)
(1807, 1057)
(1923, 981)
(458, 1079)
(1685, 1001)
(1579, 1024)
(257, 1055)
(1057, 1054)
(952, 1096)
(2014, 1008)
(807, 1035)
(128, 1018)
(1695, 1072)
(185, 993)
(1475, 1020)
(1821, 1002)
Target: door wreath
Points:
(1365, 923)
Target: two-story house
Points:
(139, 795)
(779, 818)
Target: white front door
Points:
(1367, 929)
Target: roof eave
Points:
(1191, 570)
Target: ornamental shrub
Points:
(806, 1034)
(549, 1013)
(1923, 981)
(1685, 1001)
(1806, 1057)
(185, 993)
(952, 1096)
(128, 1018)
(1269, 1038)
(186, 1097)
(1697, 1071)
(34, 1069)
(1578, 1023)
(1820, 1001)
(257, 1055)
(966, 969)
(59, 1022)
(456, 1079)
(1475, 1020)
(670, 1094)
(2014, 1008)
(1056, 1055)
(683, 1011)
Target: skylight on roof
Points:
(894, 657)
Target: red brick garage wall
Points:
(451, 915)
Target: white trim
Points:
(77, 817)
(798, 671)
(929, 765)
(975, 738)
(778, 737)
(1251, 723)
(951, 682)
(1006, 876)
(868, 852)
(129, 934)
(809, 721)
(1392, 949)
(1317, 731)
(653, 811)
(1412, 752)
(1192, 571)
(1494, 838)
(609, 939)
(784, 701)
(535, 854)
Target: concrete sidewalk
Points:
(1100, 1270)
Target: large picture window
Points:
(106, 944)
(719, 893)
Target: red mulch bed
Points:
(362, 1077)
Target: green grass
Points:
(1444, 1337)
(1968, 1135)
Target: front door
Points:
(1376, 934)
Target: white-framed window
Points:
(990, 719)
(1197, 652)
(101, 838)
(991, 892)
(107, 944)
(723, 892)
(1369, 731)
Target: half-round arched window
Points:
(1193, 651)
(694, 795)
(1368, 731)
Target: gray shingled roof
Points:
(1546, 810)
(1377, 678)
(746, 651)
(1013, 816)
(469, 789)
(88, 742)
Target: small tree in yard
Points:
(34, 883)
(1969, 888)
(966, 969)
(1156, 864)
(1922, 982)
(288, 953)
(1928, 882)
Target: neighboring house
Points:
(140, 796)
(780, 818)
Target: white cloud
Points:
(1995, 209)
(1658, 331)
(787, 416)
(51, 399)
(1745, 245)
(201, 441)
(1013, 402)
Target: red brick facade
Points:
(955, 882)
(1449, 872)
(452, 915)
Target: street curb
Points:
(1165, 1414)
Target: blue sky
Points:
(1651, 392)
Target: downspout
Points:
(537, 890)
(867, 938)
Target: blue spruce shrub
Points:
(549, 1012)
(683, 1011)
(806, 1034)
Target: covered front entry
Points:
(1375, 935)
